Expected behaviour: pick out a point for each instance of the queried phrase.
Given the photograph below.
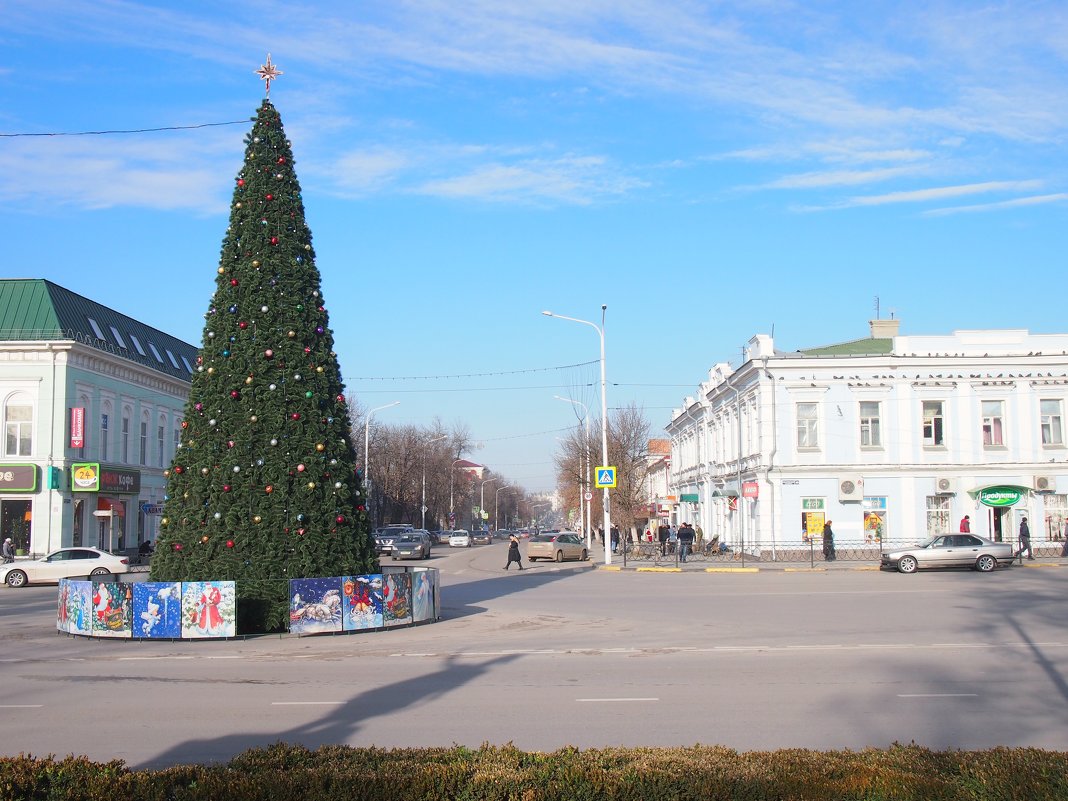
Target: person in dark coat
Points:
(662, 534)
(513, 552)
(686, 537)
(828, 543)
(1025, 541)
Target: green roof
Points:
(857, 347)
(37, 309)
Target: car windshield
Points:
(543, 538)
(408, 538)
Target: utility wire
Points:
(129, 131)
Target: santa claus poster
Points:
(112, 605)
(208, 609)
(315, 605)
(157, 610)
(396, 599)
(79, 604)
(361, 602)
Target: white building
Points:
(891, 437)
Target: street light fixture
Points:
(496, 499)
(604, 426)
(422, 505)
(482, 498)
(533, 510)
(367, 452)
(585, 522)
(452, 474)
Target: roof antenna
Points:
(877, 308)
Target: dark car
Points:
(481, 537)
(385, 537)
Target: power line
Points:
(130, 131)
(469, 375)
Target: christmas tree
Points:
(264, 485)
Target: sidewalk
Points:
(756, 565)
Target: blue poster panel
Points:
(157, 609)
(112, 606)
(396, 599)
(423, 581)
(314, 605)
(63, 606)
(362, 602)
(79, 607)
(208, 609)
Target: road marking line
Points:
(938, 695)
(153, 658)
(306, 703)
(21, 706)
(611, 700)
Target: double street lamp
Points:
(604, 426)
(482, 499)
(585, 522)
(496, 500)
(422, 505)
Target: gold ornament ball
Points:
(257, 519)
(248, 380)
(311, 485)
(292, 334)
(318, 369)
(222, 270)
(253, 419)
(211, 371)
(320, 447)
(204, 538)
(255, 262)
(166, 521)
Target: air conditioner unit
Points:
(1045, 483)
(946, 486)
(851, 488)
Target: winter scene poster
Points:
(208, 609)
(315, 605)
(423, 593)
(362, 602)
(396, 599)
(157, 610)
(111, 609)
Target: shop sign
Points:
(152, 508)
(999, 496)
(77, 427)
(85, 477)
(690, 497)
(127, 482)
(750, 489)
(18, 477)
(811, 504)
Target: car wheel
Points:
(907, 564)
(584, 556)
(985, 563)
(100, 571)
(16, 578)
(532, 558)
(559, 556)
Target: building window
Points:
(993, 434)
(933, 423)
(1052, 432)
(104, 422)
(160, 442)
(1055, 508)
(118, 337)
(870, 436)
(938, 515)
(144, 442)
(125, 435)
(18, 424)
(808, 425)
(177, 439)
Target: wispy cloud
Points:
(819, 180)
(1034, 200)
(942, 192)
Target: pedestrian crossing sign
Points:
(606, 477)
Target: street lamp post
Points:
(585, 522)
(604, 426)
(422, 505)
(482, 498)
(452, 473)
(496, 508)
(367, 451)
(533, 509)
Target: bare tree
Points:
(628, 448)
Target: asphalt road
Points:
(568, 655)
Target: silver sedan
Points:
(949, 550)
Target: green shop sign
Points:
(999, 496)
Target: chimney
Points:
(884, 329)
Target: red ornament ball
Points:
(269, 353)
(360, 508)
(226, 487)
(270, 197)
(177, 546)
(229, 543)
(242, 325)
(295, 415)
(240, 181)
(268, 489)
(179, 469)
(274, 240)
(235, 394)
(340, 519)
(233, 282)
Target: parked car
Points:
(556, 546)
(949, 550)
(459, 539)
(384, 537)
(413, 545)
(64, 563)
(481, 537)
(443, 537)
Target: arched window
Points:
(105, 424)
(161, 434)
(125, 434)
(143, 444)
(18, 425)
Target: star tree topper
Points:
(269, 72)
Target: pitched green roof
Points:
(857, 347)
(36, 309)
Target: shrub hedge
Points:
(292, 773)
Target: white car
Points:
(460, 539)
(64, 563)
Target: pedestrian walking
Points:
(662, 534)
(9, 551)
(686, 538)
(615, 539)
(828, 543)
(513, 552)
(1025, 540)
(1064, 536)
(965, 525)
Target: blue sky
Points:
(709, 170)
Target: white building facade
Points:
(891, 437)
